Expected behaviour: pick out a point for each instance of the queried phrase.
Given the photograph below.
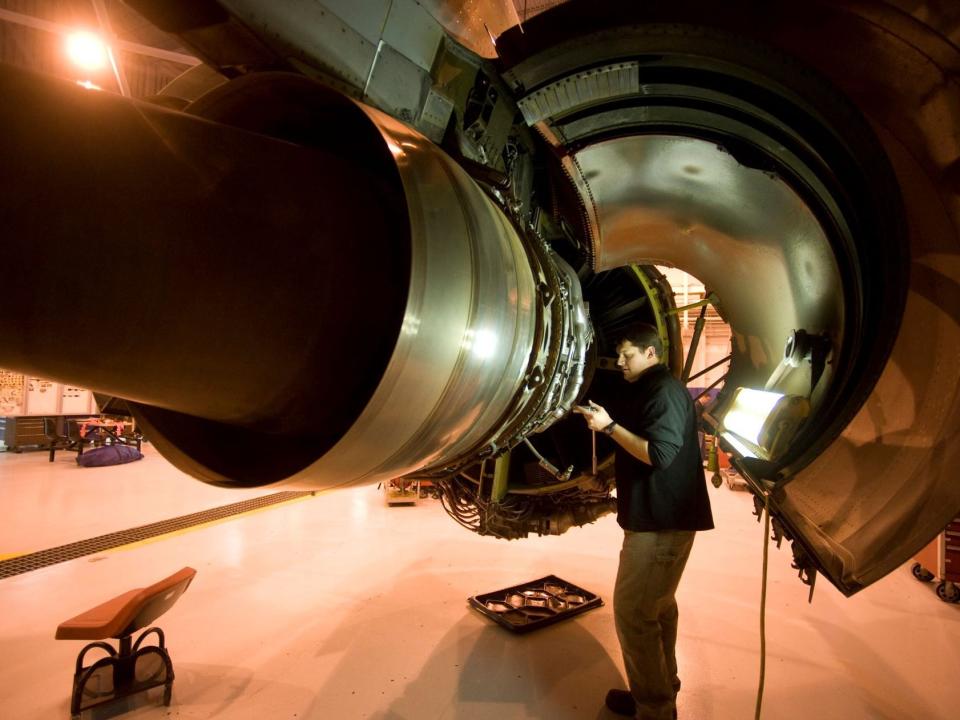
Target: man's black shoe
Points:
(621, 702)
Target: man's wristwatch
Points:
(608, 430)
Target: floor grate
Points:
(45, 558)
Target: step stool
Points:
(129, 668)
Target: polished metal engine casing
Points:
(494, 338)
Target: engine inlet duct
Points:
(335, 303)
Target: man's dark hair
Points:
(642, 336)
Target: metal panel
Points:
(412, 32)
(310, 30)
(365, 17)
(435, 115)
(396, 85)
(581, 89)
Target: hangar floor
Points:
(337, 606)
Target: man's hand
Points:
(597, 418)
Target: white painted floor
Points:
(338, 607)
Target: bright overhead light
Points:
(86, 50)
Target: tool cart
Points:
(943, 554)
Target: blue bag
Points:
(109, 455)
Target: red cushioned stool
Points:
(129, 669)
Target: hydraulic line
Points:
(694, 343)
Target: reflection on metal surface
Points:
(480, 371)
(464, 352)
(745, 234)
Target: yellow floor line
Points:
(209, 523)
(182, 531)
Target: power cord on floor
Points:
(763, 602)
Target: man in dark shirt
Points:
(661, 502)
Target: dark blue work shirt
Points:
(670, 494)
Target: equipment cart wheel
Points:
(948, 592)
(921, 573)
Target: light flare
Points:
(87, 50)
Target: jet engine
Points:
(367, 241)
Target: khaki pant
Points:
(645, 612)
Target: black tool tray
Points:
(535, 604)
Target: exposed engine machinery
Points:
(518, 514)
(491, 346)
